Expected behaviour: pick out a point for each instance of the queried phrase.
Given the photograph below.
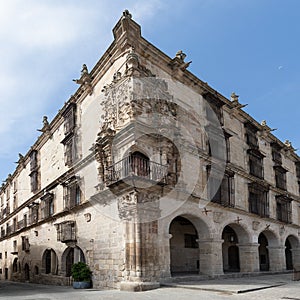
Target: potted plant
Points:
(81, 274)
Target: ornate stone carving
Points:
(138, 205)
(133, 66)
(255, 225)
(282, 230)
(217, 216)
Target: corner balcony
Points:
(137, 170)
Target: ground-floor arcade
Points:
(248, 245)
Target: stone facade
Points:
(147, 173)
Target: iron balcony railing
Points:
(135, 166)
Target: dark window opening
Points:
(258, 200)
(256, 165)
(72, 195)
(224, 194)
(280, 177)
(47, 205)
(284, 209)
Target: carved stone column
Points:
(141, 245)
(211, 262)
(249, 259)
(277, 258)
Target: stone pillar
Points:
(249, 258)
(296, 258)
(76, 255)
(211, 261)
(276, 258)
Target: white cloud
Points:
(43, 45)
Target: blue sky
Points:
(251, 47)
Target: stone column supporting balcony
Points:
(249, 260)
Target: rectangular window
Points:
(34, 174)
(72, 195)
(280, 177)
(2, 232)
(47, 205)
(276, 156)
(15, 224)
(15, 202)
(15, 246)
(66, 231)
(33, 160)
(34, 213)
(258, 200)
(190, 241)
(25, 243)
(251, 139)
(7, 193)
(34, 181)
(284, 209)
(70, 151)
(255, 164)
(25, 220)
(69, 120)
(224, 194)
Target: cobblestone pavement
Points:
(262, 287)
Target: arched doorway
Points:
(49, 262)
(230, 250)
(184, 248)
(288, 255)
(15, 265)
(70, 256)
(291, 243)
(26, 272)
(264, 263)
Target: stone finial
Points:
(235, 103)
(289, 145)
(46, 126)
(84, 70)
(178, 61)
(180, 55)
(263, 123)
(45, 121)
(20, 160)
(85, 79)
(234, 97)
(127, 14)
(265, 127)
